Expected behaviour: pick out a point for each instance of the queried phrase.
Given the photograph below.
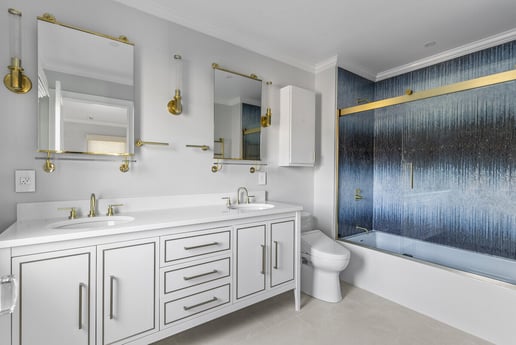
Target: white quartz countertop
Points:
(39, 231)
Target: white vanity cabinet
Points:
(127, 290)
(265, 256)
(56, 298)
(141, 283)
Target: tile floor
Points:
(361, 318)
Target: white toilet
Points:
(323, 260)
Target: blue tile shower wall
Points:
(356, 133)
(460, 148)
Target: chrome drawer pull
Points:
(200, 304)
(202, 245)
(80, 305)
(200, 275)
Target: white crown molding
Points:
(469, 48)
(325, 64)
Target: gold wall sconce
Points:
(175, 106)
(16, 81)
(266, 119)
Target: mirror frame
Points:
(130, 103)
(220, 141)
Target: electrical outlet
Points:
(262, 177)
(25, 181)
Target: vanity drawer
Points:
(194, 304)
(177, 279)
(195, 245)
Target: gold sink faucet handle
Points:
(110, 210)
(73, 211)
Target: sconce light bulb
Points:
(15, 33)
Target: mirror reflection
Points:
(85, 92)
(237, 131)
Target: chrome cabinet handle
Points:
(80, 305)
(263, 259)
(9, 279)
(199, 275)
(275, 255)
(111, 280)
(202, 245)
(200, 304)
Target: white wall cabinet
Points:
(127, 285)
(265, 256)
(297, 127)
(56, 298)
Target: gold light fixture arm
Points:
(16, 81)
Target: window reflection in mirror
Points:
(237, 111)
(85, 92)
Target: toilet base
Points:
(320, 284)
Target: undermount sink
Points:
(91, 223)
(252, 207)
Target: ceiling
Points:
(373, 38)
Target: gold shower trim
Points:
(412, 96)
(49, 18)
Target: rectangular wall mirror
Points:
(85, 91)
(237, 111)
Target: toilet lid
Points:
(318, 244)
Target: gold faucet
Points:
(93, 203)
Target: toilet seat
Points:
(317, 244)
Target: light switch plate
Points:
(25, 181)
(262, 177)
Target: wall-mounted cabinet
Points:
(297, 127)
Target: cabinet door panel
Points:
(128, 294)
(282, 252)
(56, 299)
(251, 256)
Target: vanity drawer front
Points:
(196, 245)
(194, 304)
(181, 278)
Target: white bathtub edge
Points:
(476, 306)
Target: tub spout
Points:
(362, 229)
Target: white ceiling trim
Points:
(488, 42)
(323, 65)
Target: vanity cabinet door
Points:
(127, 287)
(282, 252)
(56, 298)
(251, 260)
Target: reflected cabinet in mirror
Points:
(85, 91)
(237, 111)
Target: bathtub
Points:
(481, 264)
(469, 291)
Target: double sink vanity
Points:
(158, 267)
